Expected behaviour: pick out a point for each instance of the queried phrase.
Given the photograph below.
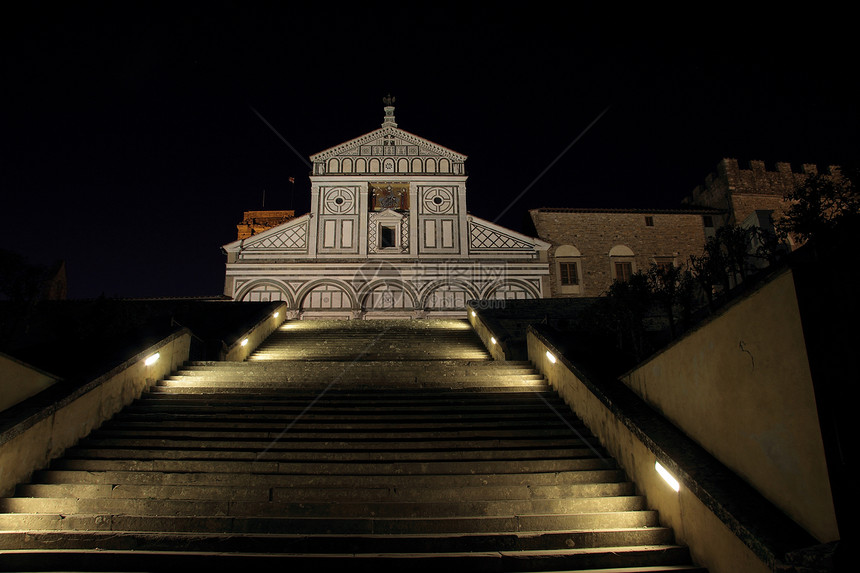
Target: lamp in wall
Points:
(150, 360)
(664, 473)
(493, 339)
(550, 356)
(244, 342)
(276, 315)
(473, 314)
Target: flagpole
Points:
(292, 191)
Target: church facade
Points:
(388, 235)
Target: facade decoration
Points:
(388, 235)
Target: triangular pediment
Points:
(388, 141)
(290, 236)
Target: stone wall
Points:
(671, 235)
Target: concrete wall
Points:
(741, 387)
(237, 352)
(711, 542)
(19, 381)
(35, 440)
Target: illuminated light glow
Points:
(473, 314)
(493, 339)
(664, 473)
(277, 314)
(152, 359)
(244, 342)
(550, 356)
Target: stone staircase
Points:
(374, 445)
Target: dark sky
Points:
(129, 147)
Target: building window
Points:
(623, 271)
(568, 274)
(387, 236)
(649, 221)
(664, 263)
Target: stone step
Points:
(283, 452)
(116, 489)
(339, 352)
(355, 432)
(275, 383)
(338, 544)
(640, 558)
(407, 365)
(332, 468)
(203, 388)
(195, 521)
(160, 438)
(334, 510)
(567, 483)
(342, 400)
(203, 407)
(368, 419)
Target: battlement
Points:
(756, 178)
(741, 190)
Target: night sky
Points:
(130, 145)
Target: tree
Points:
(709, 269)
(735, 243)
(821, 207)
(666, 284)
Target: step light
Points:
(244, 342)
(152, 359)
(276, 315)
(550, 356)
(664, 473)
(493, 339)
(473, 314)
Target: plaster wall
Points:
(19, 381)
(741, 387)
(35, 440)
(711, 543)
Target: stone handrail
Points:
(248, 341)
(35, 431)
(727, 525)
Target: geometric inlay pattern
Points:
(290, 238)
(486, 238)
(339, 201)
(437, 200)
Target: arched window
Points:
(568, 270)
(622, 265)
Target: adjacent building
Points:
(591, 248)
